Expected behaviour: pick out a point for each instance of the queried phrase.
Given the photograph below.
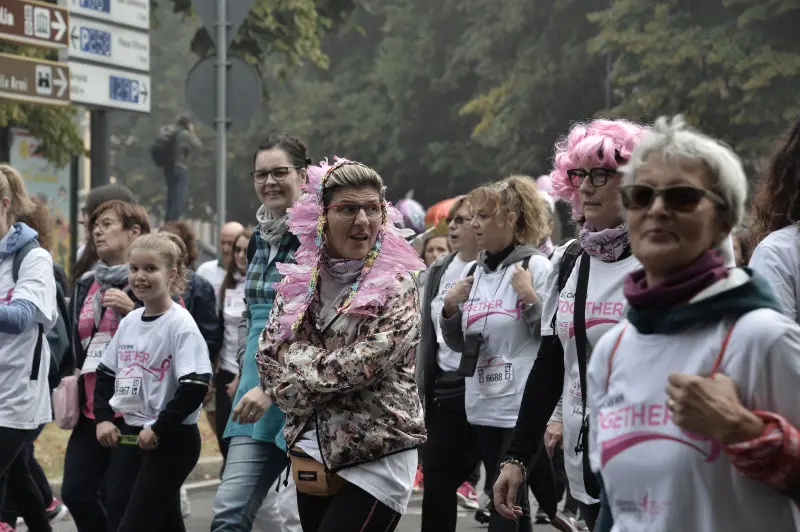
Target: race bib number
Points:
(94, 352)
(495, 378)
(128, 390)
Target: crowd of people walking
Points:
(638, 377)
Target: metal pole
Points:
(101, 147)
(222, 99)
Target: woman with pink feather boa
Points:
(337, 355)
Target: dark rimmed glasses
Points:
(279, 173)
(349, 211)
(597, 176)
(457, 220)
(680, 198)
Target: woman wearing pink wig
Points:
(583, 299)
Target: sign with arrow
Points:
(98, 86)
(33, 80)
(98, 42)
(35, 23)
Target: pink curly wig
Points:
(605, 143)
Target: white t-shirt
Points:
(25, 403)
(777, 258)
(388, 479)
(232, 309)
(494, 393)
(660, 478)
(605, 306)
(447, 358)
(212, 272)
(148, 358)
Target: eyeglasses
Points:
(349, 211)
(681, 198)
(456, 220)
(105, 224)
(597, 176)
(278, 173)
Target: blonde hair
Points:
(353, 175)
(517, 194)
(171, 249)
(458, 202)
(13, 187)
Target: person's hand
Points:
(232, 386)
(118, 301)
(147, 439)
(522, 284)
(107, 434)
(504, 493)
(457, 294)
(209, 394)
(252, 406)
(553, 436)
(710, 407)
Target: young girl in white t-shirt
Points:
(155, 372)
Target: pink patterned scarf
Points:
(607, 245)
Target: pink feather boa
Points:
(396, 256)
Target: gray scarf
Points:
(107, 277)
(272, 228)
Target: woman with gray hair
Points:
(703, 354)
(337, 354)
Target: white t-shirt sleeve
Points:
(549, 293)
(189, 349)
(596, 377)
(776, 263)
(776, 385)
(558, 413)
(540, 268)
(37, 284)
(110, 358)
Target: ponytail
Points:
(13, 187)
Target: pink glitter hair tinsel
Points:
(392, 255)
(605, 143)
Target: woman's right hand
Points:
(553, 436)
(251, 407)
(457, 295)
(504, 493)
(107, 434)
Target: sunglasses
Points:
(597, 176)
(457, 220)
(682, 198)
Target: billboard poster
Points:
(51, 185)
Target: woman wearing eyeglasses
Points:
(451, 452)
(695, 330)
(582, 299)
(257, 451)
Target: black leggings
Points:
(589, 513)
(16, 477)
(10, 507)
(224, 406)
(350, 510)
(155, 503)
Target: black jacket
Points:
(427, 367)
(201, 303)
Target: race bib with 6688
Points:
(495, 378)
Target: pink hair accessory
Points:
(390, 256)
(599, 143)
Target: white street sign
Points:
(110, 88)
(134, 13)
(97, 42)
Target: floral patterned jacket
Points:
(352, 375)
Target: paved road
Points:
(202, 500)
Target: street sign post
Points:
(133, 13)
(243, 87)
(33, 80)
(114, 89)
(34, 23)
(97, 42)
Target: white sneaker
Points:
(186, 506)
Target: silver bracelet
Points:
(517, 463)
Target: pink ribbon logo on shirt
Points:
(159, 372)
(7, 299)
(515, 313)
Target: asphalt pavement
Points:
(202, 499)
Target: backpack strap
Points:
(472, 269)
(251, 248)
(19, 256)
